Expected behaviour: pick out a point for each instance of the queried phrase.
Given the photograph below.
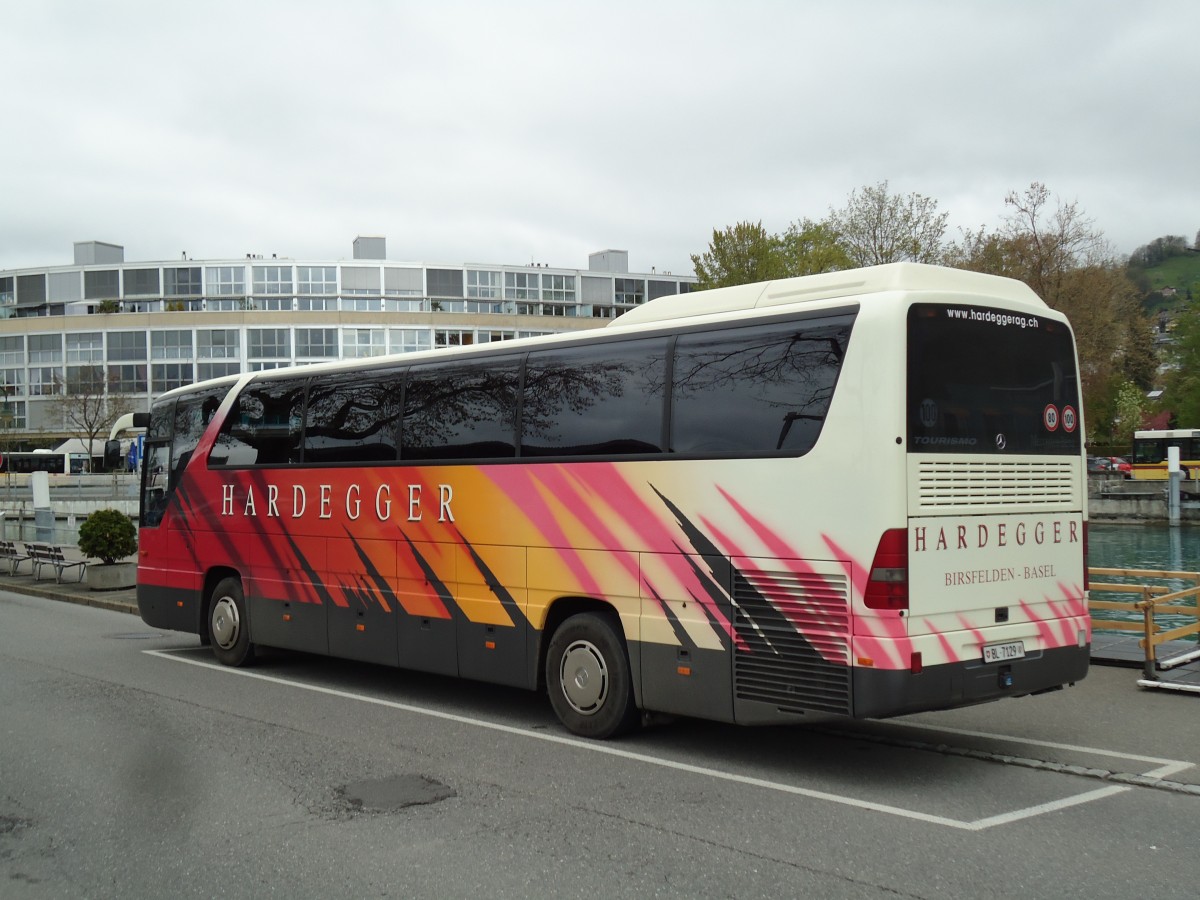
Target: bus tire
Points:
(228, 627)
(588, 677)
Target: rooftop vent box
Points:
(370, 248)
(98, 253)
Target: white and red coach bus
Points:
(859, 493)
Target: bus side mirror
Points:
(141, 420)
(112, 455)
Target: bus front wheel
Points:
(588, 677)
(228, 627)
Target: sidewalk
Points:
(71, 591)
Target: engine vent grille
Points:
(1002, 485)
(793, 632)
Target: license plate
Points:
(994, 653)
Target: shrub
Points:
(108, 535)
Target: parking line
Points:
(1166, 766)
(610, 750)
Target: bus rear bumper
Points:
(879, 693)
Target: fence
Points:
(1146, 612)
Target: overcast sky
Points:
(516, 132)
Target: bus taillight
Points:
(1086, 578)
(887, 585)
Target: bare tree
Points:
(877, 227)
(88, 404)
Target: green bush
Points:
(108, 535)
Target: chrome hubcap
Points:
(226, 625)
(584, 676)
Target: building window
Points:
(182, 282)
(45, 348)
(271, 304)
(658, 289)
(316, 280)
(168, 376)
(45, 381)
(226, 281)
(362, 304)
(409, 340)
(12, 414)
(316, 304)
(239, 305)
(102, 285)
(272, 279)
(268, 343)
(85, 347)
(558, 288)
(522, 286)
(453, 337)
(85, 380)
(444, 282)
(12, 350)
(489, 337)
(141, 282)
(127, 379)
(630, 291)
(316, 343)
(217, 343)
(8, 294)
(206, 371)
(12, 383)
(358, 343)
(126, 345)
(390, 305)
(170, 345)
(483, 285)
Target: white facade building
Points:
(141, 328)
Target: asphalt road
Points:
(131, 767)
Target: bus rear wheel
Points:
(588, 677)
(228, 627)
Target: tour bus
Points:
(1150, 452)
(55, 462)
(859, 493)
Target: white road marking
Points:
(610, 750)
(1166, 767)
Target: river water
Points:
(1157, 547)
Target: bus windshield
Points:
(989, 381)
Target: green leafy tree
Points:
(876, 226)
(1130, 410)
(810, 248)
(1182, 393)
(745, 253)
(740, 254)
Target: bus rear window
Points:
(990, 381)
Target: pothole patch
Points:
(397, 792)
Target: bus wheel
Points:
(588, 679)
(227, 624)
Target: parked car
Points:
(1099, 465)
(1121, 466)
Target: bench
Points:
(14, 554)
(52, 555)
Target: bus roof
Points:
(831, 285)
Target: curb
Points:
(96, 599)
